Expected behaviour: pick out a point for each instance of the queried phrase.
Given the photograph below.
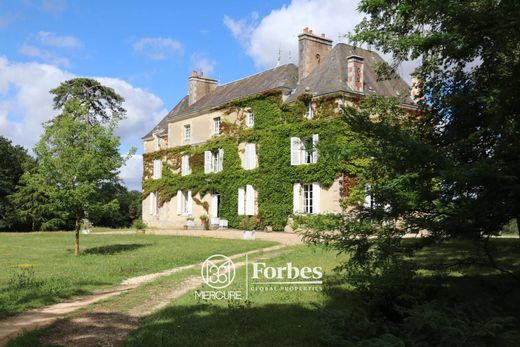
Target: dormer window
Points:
(250, 119)
(187, 133)
(216, 126)
(309, 114)
(156, 142)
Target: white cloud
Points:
(158, 48)
(132, 172)
(201, 62)
(53, 40)
(25, 103)
(279, 30)
(48, 57)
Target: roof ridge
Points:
(258, 73)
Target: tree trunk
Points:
(76, 237)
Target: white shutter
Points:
(316, 198)
(295, 150)
(157, 168)
(241, 198)
(207, 162)
(250, 200)
(214, 205)
(252, 156)
(220, 160)
(296, 198)
(153, 203)
(189, 203)
(179, 202)
(315, 148)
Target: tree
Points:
(100, 102)
(77, 158)
(13, 161)
(470, 113)
(36, 203)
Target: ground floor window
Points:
(306, 198)
(184, 202)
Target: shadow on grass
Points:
(114, 249)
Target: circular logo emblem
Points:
(218, 271)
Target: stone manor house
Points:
(345, 72)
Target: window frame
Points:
(216, 129)
(186, 135)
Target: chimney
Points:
(199, 86)
(355, 73)
(312, 50)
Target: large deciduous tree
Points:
(469, 53)
(77, 158)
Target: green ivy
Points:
(275, 123)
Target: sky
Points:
(145, 50)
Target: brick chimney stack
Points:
(355, 74)
(312, 50)
(199, 86)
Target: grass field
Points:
(331, 316)
(40, 268)
(310, 318)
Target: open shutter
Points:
(220, 159)
(252, 155)
(315, 148)
(214, 205)
(157, 168)
(250, 200)
(295, 150)
(296, 198)
(241, 198)
(179, 202)
(153, 203)
(189, 203)
(207, 162)
(183, 165)
(316, 198)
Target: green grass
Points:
(269, 319)
(40, 268)
(307, 318)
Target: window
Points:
(153, 204)
(157, 169)
(306, 198)
(246, 201)
(309, 113)
(187, 133)
(250, 119)
(185, 165)
(184, 203)
(216, 126)
(304, 152)
(213, 161)
(250, 156)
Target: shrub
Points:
(139, 224)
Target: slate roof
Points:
(328, 77)
(331, 76)
(280, 77)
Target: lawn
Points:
(40, 268)
(463, 308)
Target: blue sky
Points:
(145, 50)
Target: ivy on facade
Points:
(275, 123)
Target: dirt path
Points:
(38, 318)
(285, 238)
(107, 325)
